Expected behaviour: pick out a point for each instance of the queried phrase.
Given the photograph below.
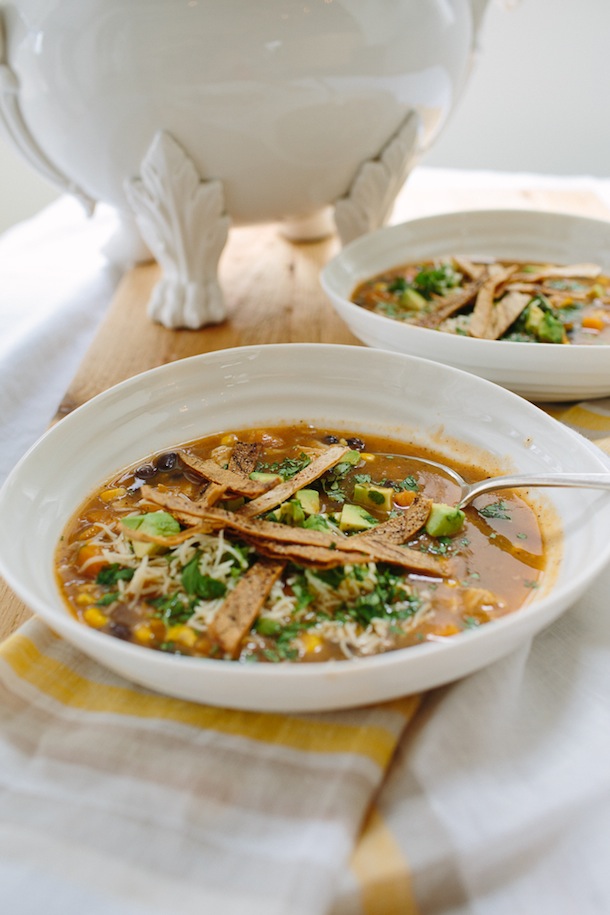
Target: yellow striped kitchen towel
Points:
(117, 800)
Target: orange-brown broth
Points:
(504, 557)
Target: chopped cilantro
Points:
(107, 599)
(331, 577)
(398, 284)
(387, 599)
(316, 523)
(496, 510)
(288, 467)
(431, 281)
(113, 573)
(203, 586)
(173, 608)
(300, 587)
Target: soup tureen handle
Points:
(15, 129)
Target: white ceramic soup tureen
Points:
(192, 115)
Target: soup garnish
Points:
(495, 300)
(293, 544)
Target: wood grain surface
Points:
(273, 295)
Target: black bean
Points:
(330, 439)
(120, 631)
(146, 471)
(166, 461)
(356, 444)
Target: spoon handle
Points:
(583, 480)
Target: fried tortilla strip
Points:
(469, 268)
(243, 604)
(505, 311)
(346, 552)
(297, 543)
(212, 494)
(374, 550)
(482, 323)
(179, 505)
(571, 271)
(304, 477)
(212, 518)
(401, 527)
(266, 535)
(381, 550)
(447, 305)
(244, 457)
(232, 480)
(317, 557)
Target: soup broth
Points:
(495, 300)
(296, 544)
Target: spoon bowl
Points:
(470, 491)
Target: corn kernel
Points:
(85, 598)
(111, 494)
(367, 456)
(311, 642)
(448, 630)
(228, 439)
(183, 634)
(93, 616)
(143, 634)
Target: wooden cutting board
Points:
(273, 295)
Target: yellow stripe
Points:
(64, 685)
(382, 871)
(582, 417)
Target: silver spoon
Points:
(469, 491)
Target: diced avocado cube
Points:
(264, 477)
(372, 496)
(158, 524)
(351, 457)
(141, 548)
(533, 317)
(550, 329)
(355, 518)
(444, 520)
(544, 325)
(413, 300)
(291, 513)
(309, 500)
(231, 505)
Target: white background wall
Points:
(539, 96)
(538, 100)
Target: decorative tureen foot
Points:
(183, 221)
(369, 201)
